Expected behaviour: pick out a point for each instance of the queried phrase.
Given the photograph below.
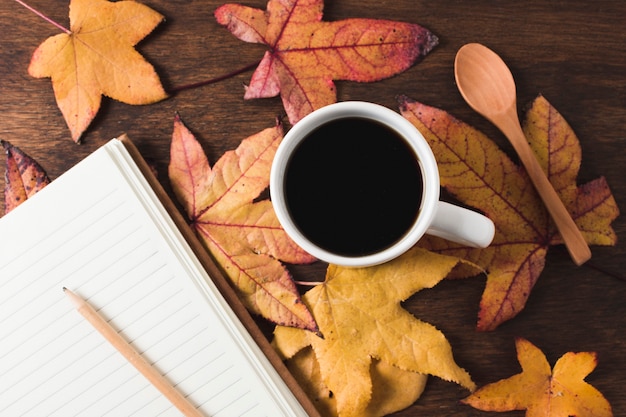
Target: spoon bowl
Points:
(478, 66)
(487, 85)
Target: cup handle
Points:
(461, 225)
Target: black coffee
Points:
(353, 186)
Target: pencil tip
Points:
(64, 289)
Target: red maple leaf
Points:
(306, 54)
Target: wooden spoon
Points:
(487, 85)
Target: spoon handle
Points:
(572, 237)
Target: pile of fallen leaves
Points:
(355, 350)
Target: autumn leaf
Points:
(96, 57)
(306, 54)
(545, 392)
(478, 173)
(243, 235)
(360, 317)
(392, 388)
(23, 177)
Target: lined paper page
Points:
(89, 232)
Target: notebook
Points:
(106, 230)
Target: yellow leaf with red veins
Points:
(545, 392)
(360, 316)
(98, 58)
(306, 54)
(243, 235)
(478, 173)
(24, 177)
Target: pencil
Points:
(132, 356)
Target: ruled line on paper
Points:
(123, 308)
(54, 285)
(127, 400)
(232, 401)
(42, 312)
(42, 308)
(185, 359)
(112, 372)
(42, 245)
(45, 271)
(180, 342)
(54, 232)
(86, 388)
(247, 410)
(37, 313)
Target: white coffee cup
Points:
(434, 217)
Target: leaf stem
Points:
(604, 271)
(175, 89)
(308, 283)
(213, 80)
(44, 17)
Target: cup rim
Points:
(394, 121)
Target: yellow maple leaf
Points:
(392, 388)
(97, 57)
(545, 392)
(359, 314)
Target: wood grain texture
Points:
(572, 52)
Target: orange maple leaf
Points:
(243, 235)
(24, 177)
(306, 54)
(478, 173)
(545, 392)
(96, 57)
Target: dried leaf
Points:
(97, 58)
(306, 54)
(24, 177)
(479, 174)
(392, 388)
(360, 317)
(545, 392)
(243, 235)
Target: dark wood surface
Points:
(572, 52)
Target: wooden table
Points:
(572, 52)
